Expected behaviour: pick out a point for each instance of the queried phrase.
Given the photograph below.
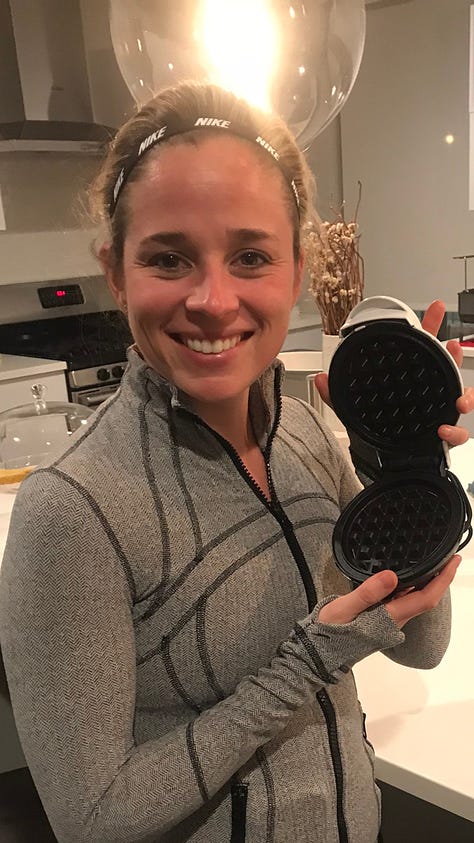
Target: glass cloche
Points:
(28, 434)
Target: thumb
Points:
(372, 591)
(321, 383)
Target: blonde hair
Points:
(188, 100)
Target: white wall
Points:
(411, 92)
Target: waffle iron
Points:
(392, 385)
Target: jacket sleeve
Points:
(69, 649)
(427, 636)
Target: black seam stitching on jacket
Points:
(313, 414)
(308, 496)
(163, 594)
(312, 455)
(310, 522)
(270, 788)
(311, 650)
(150, 475)
(204, 652)
(187, 571)
(195, 763)
(250, 555)
(173, 677)
(88, 429)
(102, 520)
(175, 455)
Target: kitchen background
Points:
(404, 133)
(391, 136)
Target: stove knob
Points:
(103, 374)
(118, 371)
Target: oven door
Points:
(95, 395)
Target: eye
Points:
(169, 263)
(251, 259)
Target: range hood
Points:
(45, 96)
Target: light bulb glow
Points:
(449, 139)
(239, 44)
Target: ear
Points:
(113, 276)
(298, 278)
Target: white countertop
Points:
(13, 367)
(420, 722)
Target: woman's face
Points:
(208, 275)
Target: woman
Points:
(179, 662)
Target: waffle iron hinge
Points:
(376, 463)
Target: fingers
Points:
(453, 435)
(466, 402)
(407, 606)
(372, 591)
(458, 435)
(455, 351)
(376, 589)
(433, 317)
(321, 383)
(431, 322)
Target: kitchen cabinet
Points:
(18, 374)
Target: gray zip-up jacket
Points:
(159, 626)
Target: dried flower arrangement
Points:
(335, 267)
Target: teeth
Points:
(208, 347)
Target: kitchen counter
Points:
(420, 722)
(13, 367)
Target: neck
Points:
(231, 420)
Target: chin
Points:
(216, 395)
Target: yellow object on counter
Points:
(14, 475)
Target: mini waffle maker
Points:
(392, 385)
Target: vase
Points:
(330, 343)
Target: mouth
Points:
(207, 346)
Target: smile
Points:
(206, 346)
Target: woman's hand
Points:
(431, 322)
(378, 588)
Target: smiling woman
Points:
(208, 283)
(169, 671)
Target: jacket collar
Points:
(264, 398)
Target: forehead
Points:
(225, 172)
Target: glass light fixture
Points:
(298, 59)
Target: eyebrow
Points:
(176, 239)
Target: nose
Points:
(213, 293)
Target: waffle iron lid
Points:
(393, 385)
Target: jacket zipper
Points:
(327, 708)
(276, 509)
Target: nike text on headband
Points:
(178, 126)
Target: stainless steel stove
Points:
(76, 321)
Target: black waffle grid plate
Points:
(410, 526)
(392, 385)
